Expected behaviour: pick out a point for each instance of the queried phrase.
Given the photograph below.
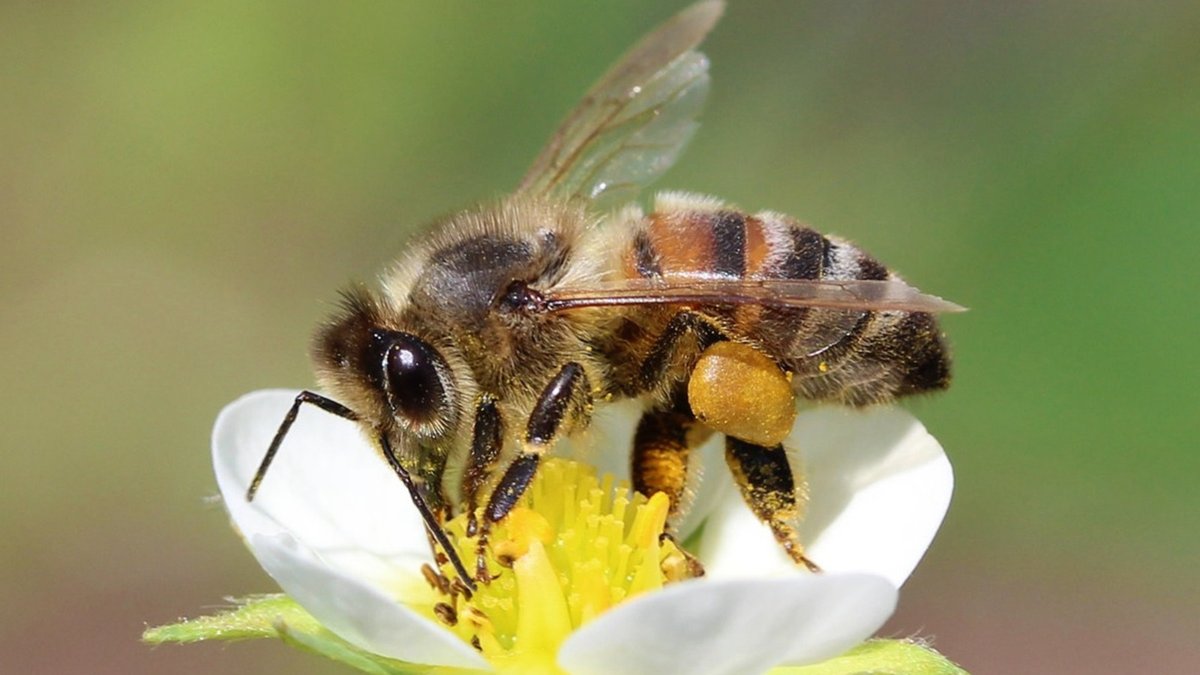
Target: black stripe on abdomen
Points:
(645, 258)
(806, 260)
(729, 244)
(918, 346)
(844, 261)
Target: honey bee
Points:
(497, 333)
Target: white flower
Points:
(335, 528)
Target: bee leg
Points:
(764, 477)
(486, 441)
(566, 399)
(658, 362)
(662, 449)
(433, 524)
(567, 395)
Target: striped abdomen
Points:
(855, 357)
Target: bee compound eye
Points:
(413, 379)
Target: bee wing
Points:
(631, 125)
(824, 312)
(857, 296)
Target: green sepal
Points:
(881, 657)
(258, 616)
(278, 616)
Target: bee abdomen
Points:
(855, 357)
(714, 243)
(725, 243)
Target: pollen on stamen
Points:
(573, 547)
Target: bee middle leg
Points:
(661, 462)
(566, 400)
(662, 449)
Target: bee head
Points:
(390, 377)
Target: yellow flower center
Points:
(574, 546)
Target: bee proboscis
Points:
(498, 332)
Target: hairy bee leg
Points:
(662, 448)
(567, 396)
(764, 477)
(432, 524)
(486, 442)
(327, 404)
(655, 365)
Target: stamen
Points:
(572, 548)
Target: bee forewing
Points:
(861, 295)
(632, 125)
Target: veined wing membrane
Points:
(860, 295)
(632, 125)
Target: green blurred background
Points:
(184, 187)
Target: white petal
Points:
(735, 626)
(331, 524)
(357, 612)
(879, 487)
(327, 486)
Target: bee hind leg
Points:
(765, 479)
(683, 325)
(741, 392)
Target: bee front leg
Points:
(327, 404)
(486, 441)
(565, 400)
(765, 479)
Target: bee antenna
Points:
(327, 404)
(333, 407)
